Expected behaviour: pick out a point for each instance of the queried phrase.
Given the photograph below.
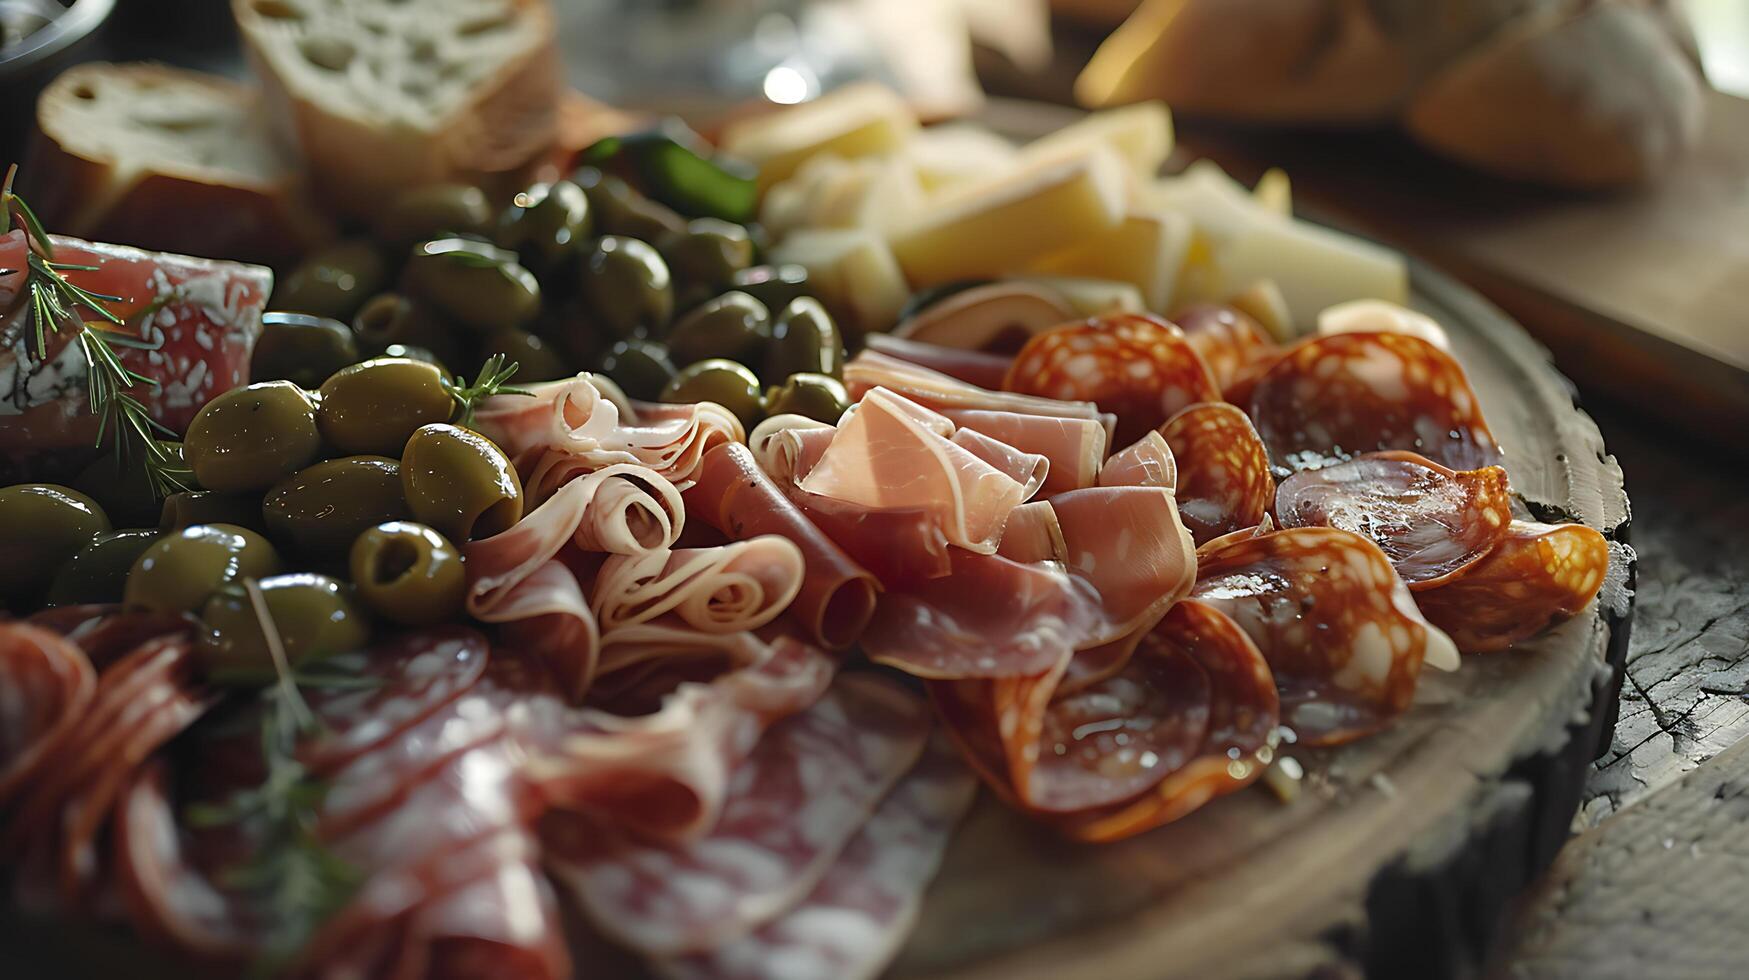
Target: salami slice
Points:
(853, 923)
(1138, 367)
(806, 789)
(45, 685)
(1223, 470)
(1227, 340)
(1538, 575)
(1330, 398)
(166, 899)
(1432, 522)
(1337, 626)
(1237, 743)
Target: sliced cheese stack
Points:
(854, 121)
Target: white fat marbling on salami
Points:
(1223, 470)
(853, 922)
(419, 673)
(808, 785)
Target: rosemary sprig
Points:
(494, 379)
(55, 301)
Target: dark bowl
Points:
(32, 62)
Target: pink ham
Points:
(1033, 534)
(731, 588)
(803, 793)
(932, 389)
(981, 368)
(1075, 447)
(1147, 462)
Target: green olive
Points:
(409, 574)
(301, 348)
(722, 381)
(120, 484)
(620, 210)
(193, 507)
(734, 326)
(546, 224)
(320, 509)
(389, 319)
(642, 369)
(333, 281)
(536, 360)
(371, 408)
(804, 339)
(411, 353)
(178, 572)
(41, 526)
(313, 617)
(818, 396)
(477, 284)
(460, 483)
(98, 572)
(705, 258)
(424, 213)
(774, 285)
(248, 438)
(627, 286)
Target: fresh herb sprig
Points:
(494, 379)
(292, 873)
(55, 302)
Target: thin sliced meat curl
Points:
(1538, 575)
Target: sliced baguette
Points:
(167, 159)
(381, 96)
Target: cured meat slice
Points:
(568, 428)
(1538, 575)
(893, 454)
(1223, 470)
(981, 368)
(1033, 534)
(546, 616)
(1338, 627)
(107, 633)
(418, 672)
(1129, 545)
(733, 494)
(166, 899)
(1432, 522)
(623, 509)
(1381, 316)
(728, 589)
(45, 685)
(197, 318)
(804, 792)
(503, 924)
(1330, 398)
(1227, 340)
(786, 447)
(853, 923)
(932, 389)
(1238, 738)
(1138, 367)
(1074, 447)
(1027, 469)
(1147, 462)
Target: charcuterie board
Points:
(1401, 850)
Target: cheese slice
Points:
(878, 193)
(1146, 249)
(1275, 192)
(956, 154)
(987, 229)
(857, 120)
(1140, 133)
(853, 272)
(1315, 267)
(1220, 206)
(1091, 297)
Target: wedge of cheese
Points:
(1275, 192)
(857, 120)
(1140, 133)
(1000, 225)
(1146, 249)
(1221, 207)
(1314, 267)
(956, 154)
(1091, 297)
(853, 272)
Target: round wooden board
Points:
(1401, 851)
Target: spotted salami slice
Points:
(802, 794)
(1431, 521)
(1227, 340)
(1331, 398)
(166, 898)
(1242, 711)
(1538, 575)
(45, 685)
(853, 923)
(1338, 627)
(1223, 470)
(1138, 367)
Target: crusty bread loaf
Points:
(167, 159)
(382, 95)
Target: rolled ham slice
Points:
(932, 389)
(731, 588)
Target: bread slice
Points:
(166, 159)
(389, 94)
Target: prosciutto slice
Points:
(1074, 447)
(807, 787)
(1147, 462)
(727, 589)
(980, 368)
(1538, 575)
(853, 922)
(932, 389)
(46, 683)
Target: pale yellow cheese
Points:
(1275, 192)
(956, 154)
(1146, 249)
(995, 226)
(1221, 208)
(879, 193)
(1091, 297)
(1140, 133)
(1315, 267)
(852, 270)
(857, 120)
